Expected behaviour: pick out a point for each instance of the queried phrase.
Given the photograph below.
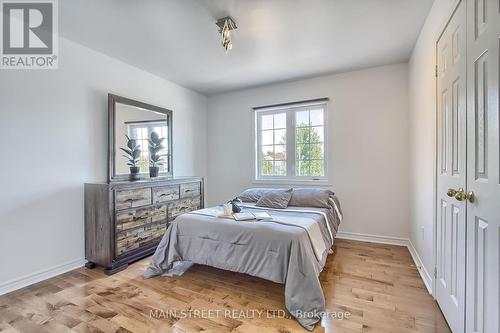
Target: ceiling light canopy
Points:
(226, 24)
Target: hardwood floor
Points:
(377, 284)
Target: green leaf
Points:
(127, 151)
(154, 137)
(155, 150)
(136, 153)
(132, 143)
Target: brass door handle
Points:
(471, 197)
(460, 195)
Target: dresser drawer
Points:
(165, 193)
(183, 206)
(190, 190)
(133, 239)
(133, 198)
(133, 218)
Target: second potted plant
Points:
(155, 158)
(133, 153)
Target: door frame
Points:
(449, 16)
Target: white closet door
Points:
(451, 173)
(483, 215)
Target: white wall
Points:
(53, 134)
(368, 143)
(422, 96)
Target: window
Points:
(291, 142)
(141, 131)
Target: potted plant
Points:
(155, 158)
(133, 152)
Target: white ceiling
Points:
(276, 40)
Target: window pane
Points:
(267, 152)
(165, 143)
(317, 168)
(280, 168)
(309, 142)
(316, 151)
(303, 168)
(280, 120)
(317, 134)
(303, 152)
(267, 168)
(302, 134)
(267, 137)
(267, 122)
(302, 118)
(280, 137)
(317, 117)
(279, 152)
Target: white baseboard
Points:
(424, 274)
(24, 281)
(373, 238)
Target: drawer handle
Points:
(135, 199)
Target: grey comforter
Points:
(274, 250)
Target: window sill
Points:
(322, 182)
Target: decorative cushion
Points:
(254, 194)
(311, 197)
(275, 199)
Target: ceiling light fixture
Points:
(226, 24)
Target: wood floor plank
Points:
(377, 284)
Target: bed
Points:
(291, 248)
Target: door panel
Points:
(483, 215)
(451, 155)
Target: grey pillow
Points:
(275, 199)
(254, 194)
(311, 197)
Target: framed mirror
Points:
(132, 124)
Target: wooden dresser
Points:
(124, 221)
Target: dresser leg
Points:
(112, 270)
(89, 265)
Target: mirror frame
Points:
(112, 101)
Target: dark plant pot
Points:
(153, 171)
(134, 173)
(236, 208)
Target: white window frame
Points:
(290, 110)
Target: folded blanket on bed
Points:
(281, 251)
(310, 225)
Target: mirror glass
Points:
(139, 123)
